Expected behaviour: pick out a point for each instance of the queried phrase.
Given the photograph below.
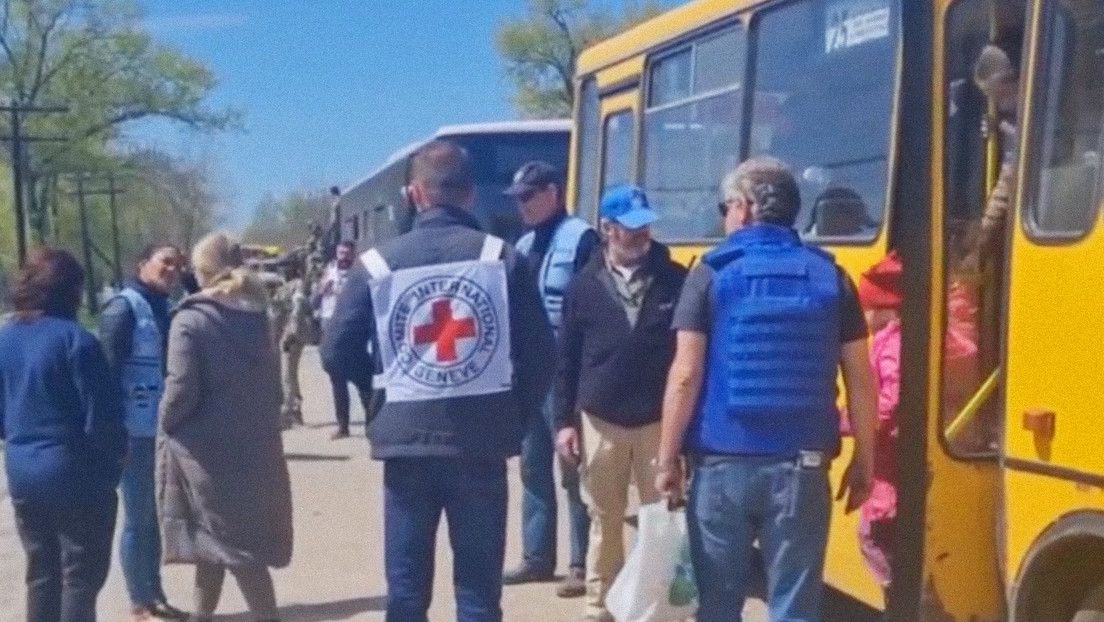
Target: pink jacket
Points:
(885, 358)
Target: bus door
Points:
(605, 138)
(962, 544)
(1054, 464)
(618, 113)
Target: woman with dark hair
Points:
(62, 425)
(134, 328)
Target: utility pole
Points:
(87, 245)
(18, 114)
(112, 191)
(86, 248)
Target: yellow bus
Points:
(874, 105)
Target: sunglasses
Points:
(527, 196)
(722, 206)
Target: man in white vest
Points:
(461, 345)
(557, 247)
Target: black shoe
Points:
(525, 574)
(340, 434)
(573, 585)
(163, 610)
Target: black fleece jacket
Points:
(606, 367)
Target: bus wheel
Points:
(1092, 608)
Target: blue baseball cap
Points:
(627, 206)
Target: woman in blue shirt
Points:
(61, 419)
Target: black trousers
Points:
(340, 383)
(68, 547)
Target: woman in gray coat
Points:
(223, 490)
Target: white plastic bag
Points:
(657, 582)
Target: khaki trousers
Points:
(612, 456)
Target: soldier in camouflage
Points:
(292, 326)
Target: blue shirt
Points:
(60, 411)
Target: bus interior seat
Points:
(840, 212)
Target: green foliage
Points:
(539, 50)
(285, 221)
(93, 57)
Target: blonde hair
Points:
(219, 268)
(215, 255)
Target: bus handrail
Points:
(972, 407)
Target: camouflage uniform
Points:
(291, 320)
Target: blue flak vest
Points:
(143, 373)
(558, 266)
(774, 348)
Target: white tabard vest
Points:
(444, 329)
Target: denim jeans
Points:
(733, 502)
(68, 546)
(140, 541)
(472, 494)
(538, 504)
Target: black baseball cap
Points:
(534, 175)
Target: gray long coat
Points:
(222, 484)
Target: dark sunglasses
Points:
(722, 206)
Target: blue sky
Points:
(329, 88)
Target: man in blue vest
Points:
(763, 326)
(461, 346)
(557, 248)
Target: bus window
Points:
(495, 158)
(1065, 196)
(824, 88)
(692, 132)
(984, 42)
(586, 178)
(617, 157)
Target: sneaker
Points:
(573, 585)
(340, 434)
(164, 611)
(526, 574)
(156, 611)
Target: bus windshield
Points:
(824, 89)
(495, 158)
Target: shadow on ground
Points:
(293, 457)
(319, 612)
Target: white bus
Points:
(375, 209)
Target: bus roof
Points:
(505, 127)
(445, 131)
(661, 28)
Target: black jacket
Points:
(606, 367)
(487, 426)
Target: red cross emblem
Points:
(444, 331)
